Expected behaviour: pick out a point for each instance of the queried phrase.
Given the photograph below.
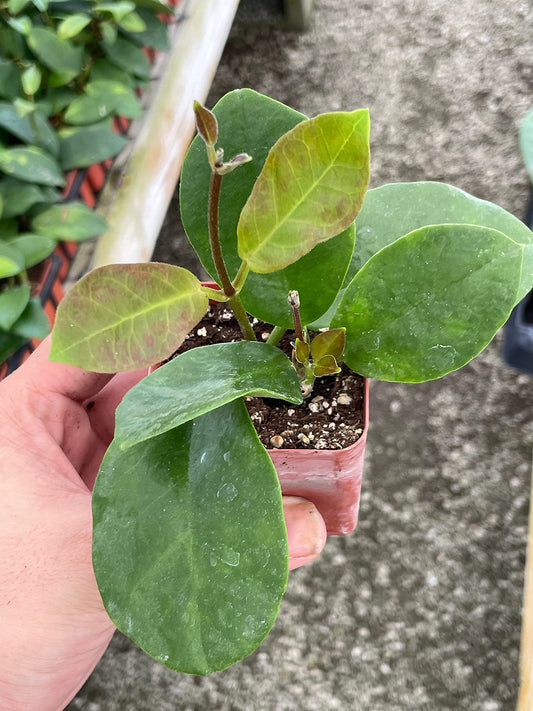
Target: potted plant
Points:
(187, 504)
(67, 71)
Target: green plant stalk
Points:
(276, 335)
(218, 258)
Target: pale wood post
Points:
(525, 697)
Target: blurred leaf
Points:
(132, 23)
(117, 317)
(156, 33)
(9, 344)
(81, 147)
(8, 228)
(19, 197)
(41, 5)
(32, 165)
(526, 142)
(22, 25)
(101, 99)
(16, 6)
(11, 261)
(71, 26)
(33, 128)
(57, 54)
(33, 247)
(11, 43)
(12, 303)
(109, 32)
(72, 221)
(31, 79)
(118, 9)
(10, 84)
(33, 323)
(128, 56)
(102, 69)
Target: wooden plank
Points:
(142, 182)
(525, 697)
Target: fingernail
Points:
(306, 530)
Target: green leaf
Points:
(206, 123)
(32, 165)
(34, 129)
(310, 189)
(57, 54)
(101, 99)
(327, 365)
(526, 142)
(19, 197)
(201, 380)
(8, 228)
(9, 344)
(81, 147)
(251, 122)
(189, 542)
(301, 351)
(16, 6)
(33, 247)
(71, 26)
(31, 79)
(331, 342)
(10, 83)
(12, 303)
(33, 323)
(391, 211)
(156, 33)
(118, 9)
(72, 221)
(429, 302)
(132, 23)
(22, 25)
(128, 56)
(126, 316)
(11, 261)
(103, 70)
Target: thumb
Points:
(44, 375)
(306, 530)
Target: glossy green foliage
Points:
(127, 316)
(429, 302)
(81, 146)
(391, 211)
(201, 380)
(251, 122)
(189, 542)
(306, 196)
(71, 221)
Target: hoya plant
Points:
(190, 548)
(66, 69)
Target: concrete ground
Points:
(420, 608)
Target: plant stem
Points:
(294, 303)
(277, 334)
(240, 278)
(218, 258)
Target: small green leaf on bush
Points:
(16, 6)
(12, 303)
(81, 147)
(19, 197)
(156, 33)
(301, 351)
(34, 129)
(117, 10)
(327, 365)
(33, 322)
(34, 248)
(103, 70)
(22, 25)
(201, 380)
(71, 221)
(32, 165)
(31, 79)
(189, 542)
(126, 316)
(302, 198)
(11, 261)
(57, 54)
(128, 56)
(101, 99)
(73, 25)
(132, 22)
(420, 307)
(206, 123)
(10, 84)
(329, 342)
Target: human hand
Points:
(56, 423)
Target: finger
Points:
(49, 377)
(101, 408)
(306, 530)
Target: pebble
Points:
(314, 406)
(276, 441)
(303, 438)
(202, 331)
(344, 399)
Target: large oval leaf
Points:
(429, 302)
(251, 122)
(201, 380)
(72, 221)
(57, 54)
(391, 211)
(311, 188)
(189, 541)
(32, 165)
(126, 316)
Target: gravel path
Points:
(419, 609)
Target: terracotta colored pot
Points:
(330, 478)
